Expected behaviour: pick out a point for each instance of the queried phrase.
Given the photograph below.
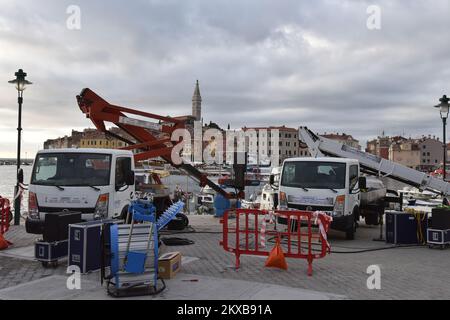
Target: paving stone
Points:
(406, 273)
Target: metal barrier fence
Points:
(303, 233)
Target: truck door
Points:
(353, 185)
(122, 190)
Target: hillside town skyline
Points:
(422, 152)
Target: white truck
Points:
(323, 184)
(95, 182)
(335, 184)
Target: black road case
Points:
(440, 218)
(50, 252)
(438, 237)
(56, 225)
(402, 227)
(85, 243)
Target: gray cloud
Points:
(259, 62)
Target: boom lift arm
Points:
(151, 139)
(319, 146)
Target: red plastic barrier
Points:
(5, 213)
(307, 240)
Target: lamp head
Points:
(20, 80)
(444, 106)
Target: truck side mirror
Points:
(362, 183)
(272, 179)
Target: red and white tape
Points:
(262, 236)
(321, 227)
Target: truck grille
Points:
(59, 209)
(313, 208)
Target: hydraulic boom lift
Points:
(152, 139)
(319, 146)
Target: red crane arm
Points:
(152, 139)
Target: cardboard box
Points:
(169, 264)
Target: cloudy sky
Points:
(259, 62)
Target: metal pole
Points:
(17, 189)
(444, 123)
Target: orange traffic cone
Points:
(276, 257)
(4, 244)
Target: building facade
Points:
(88, 138)
(259, 143)
(431, 153)
(406, 153)
(380, 146)
(424, 154)
(344, 139)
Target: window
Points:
(428, 153)
(314, 174)
(71, 169)
(353, 176)
(123, 165)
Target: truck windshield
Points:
(314, 175)
(71, 169)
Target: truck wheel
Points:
(123, 215)
(350, 233)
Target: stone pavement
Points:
(180, 288)
(406, 273)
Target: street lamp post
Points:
(21, 84)
(444, 109)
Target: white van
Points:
(96, 182)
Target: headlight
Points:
(283, 200)
(101, 207)
(339, 205)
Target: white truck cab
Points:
(95, 182)
(322, 184)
